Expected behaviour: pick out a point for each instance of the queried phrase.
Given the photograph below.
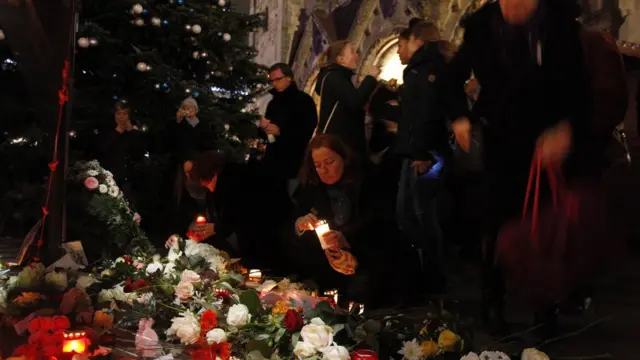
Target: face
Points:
(190, 109)
(403, 51)
(279, 81)
(210, 184)
(349, 57)
(329, 165)
(122, 117)
(413, 44)
(518, 12)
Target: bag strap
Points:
(326, 126)
(536, 166)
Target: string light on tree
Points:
(226, 37)
(93, 41)
(83, 42)
(142, 67)
(197, 29)
(155, 21)
(187, 27)
(139, 22)
(221, 3)
(137, 9)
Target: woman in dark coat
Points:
(342, 105)
(364, 249)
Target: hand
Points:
(420, 167)
(205, 230)
(307, 222)
(180, 115)
(393, 102)
(391, 126)
(554, 145)
(264, 122)
(172, 240)
(272, 129)
(187, 167)
(335, 240)
(375, 71)
(462, 131)
(393, 82)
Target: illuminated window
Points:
(389, 62)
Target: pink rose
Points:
(189, 276)
(184, 291)
(91, 183)
(138, 264)
(137, 218)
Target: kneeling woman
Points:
(363, 248)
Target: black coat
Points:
(422, 127)
(119, 151)
(186, 140)
(244, 205)
(294, 112)
(348, 120)
(526, 89)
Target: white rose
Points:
(216, 336)
(335, 353)
(186, 328)
(317, 333)
(57, 280)
(470, 356)
(119, 260)
(153, 267)
(533, 354)
(304, 350)
(103, 189)
(114, 191)
(92, 173)
(238, 315)
(494, 355)
(85, 281)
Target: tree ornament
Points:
(197, 29)
(155, 21)
(230, 68)
(196, 55)
(137, 9)
(83, 42)
(2, 37)
(221, 3)
(93, 41)
(142, 67)
(226, 37)
(187, 27)
(72, 133)
(204, 54)
(144, 128)
(139, 22)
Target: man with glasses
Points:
(289, 122)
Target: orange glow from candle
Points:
(201, 220)
(75, 343)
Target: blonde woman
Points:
(341, 103)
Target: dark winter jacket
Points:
(532, 78)
(294, 112)
(334, 86)
(119, 151)
(187, 140)
(422, 127)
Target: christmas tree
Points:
(154, 54)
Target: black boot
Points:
(547, 319)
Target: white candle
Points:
(322, 227)
(255, 274)
(332, 293)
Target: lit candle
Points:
(255, 275)
(75, 342)
(201, 220)
(322, 227)
(332, 293)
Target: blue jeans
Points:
(417, 211)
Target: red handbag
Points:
(553, 248)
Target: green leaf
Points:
(279, 334)
(256, 355)
(324, 306)
(259, 346)
(263, 337)
(337, 328)
(294, 339)
(251, 300)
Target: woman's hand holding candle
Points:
(335, 240)
(307, 222)
(204, 230)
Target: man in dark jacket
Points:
(289, 123)
(527, 56)
(421, 141)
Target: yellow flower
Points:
(28, 298)
(280, 308)
(424, 330)
(103, 320)
(429, 348)
(447, 340)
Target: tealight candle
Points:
(75, 342)
(333, 294)
(255, 275)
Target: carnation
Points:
(114, 191)
(103, 189)
(92, 173)
(57, 280)
(185, 327)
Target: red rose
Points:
(128, 286)
(364, 354)
(141, 283)
(61, 323)
(293, 321)
(127, 259)
(223, 295)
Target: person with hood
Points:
(342, 105)
(289, 122)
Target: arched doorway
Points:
(389, 61)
